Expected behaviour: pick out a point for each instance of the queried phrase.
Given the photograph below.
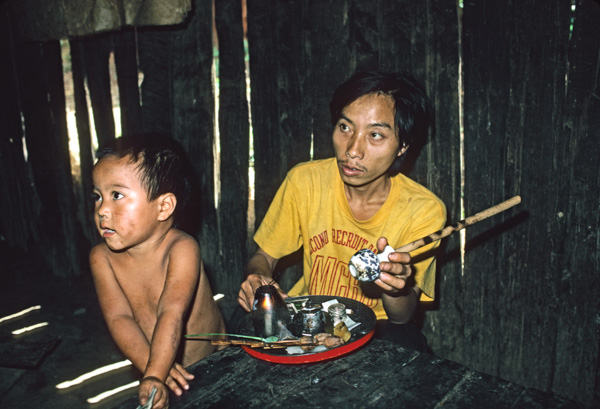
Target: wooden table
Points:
(379, 375)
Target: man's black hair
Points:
(413, 112)
(160, 160)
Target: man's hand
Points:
(161, 399)
(394, 273)
(399, 300)
(248, 289)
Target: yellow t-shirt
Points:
(310, 209)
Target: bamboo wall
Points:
(523, 304)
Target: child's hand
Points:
(178, 378)
(161, 398)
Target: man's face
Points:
(123, 215)
(365, 140)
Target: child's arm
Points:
(177, 294)
(117, 311)
(128, 335)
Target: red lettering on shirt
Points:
(331, 277)
(318, 242)
(349, 239)
(321, 270)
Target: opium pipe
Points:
(469, 221)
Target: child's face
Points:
(123, 215)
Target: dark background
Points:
(524, 302)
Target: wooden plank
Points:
(436, 163)
(97, 51)
(26, 353)
(84, 186)
(154, 62)
(381, 374)
(421, 383)
(495, 295)
(330, 61)
(478, 390)
(268, 152)
(125, 49)
(193, 127)
(576, 354)
(18, 224)
(294, 90)
(43, 106)
(536, 399)
(234, 141)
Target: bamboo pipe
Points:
(364, 264)
(469, 221)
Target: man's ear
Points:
(403, 150)
(167, 203)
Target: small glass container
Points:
(337, 313)
(269, 312)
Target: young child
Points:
(149, 276)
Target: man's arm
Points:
(259, 271)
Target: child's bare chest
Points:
(142, 284)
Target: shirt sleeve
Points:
(279, 233)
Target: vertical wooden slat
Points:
(578, 275)
(262, 44)
(83, 189)
(19, 206)
(294, 95)
(43, 103)
(97, 49)
(234, 143)
(487, 73)
(329, 63)
(154, 48)
(193, 127)
(438, 168)
(127, 78)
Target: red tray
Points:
(360, 335)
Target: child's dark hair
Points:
(160, 160)
(413, 111)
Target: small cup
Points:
(337, 313)
(313, 319)
(269, 312)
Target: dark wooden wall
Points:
(524, 302)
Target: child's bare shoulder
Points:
(183, 242)
(99, 253)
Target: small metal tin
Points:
(313, 319)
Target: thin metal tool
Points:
(148, 405)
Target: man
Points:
(335, 207)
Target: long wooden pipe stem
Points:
(469, 221)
